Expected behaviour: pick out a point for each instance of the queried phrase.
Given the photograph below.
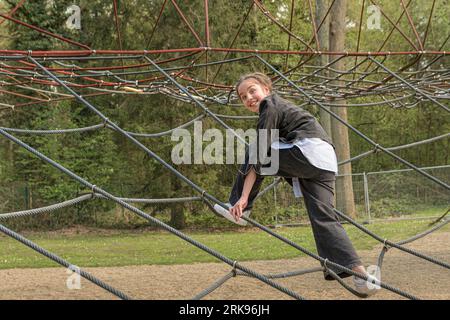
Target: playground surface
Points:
(165, 282)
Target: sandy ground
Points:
(408, 273)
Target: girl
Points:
(306, 160)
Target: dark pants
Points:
(317, 187)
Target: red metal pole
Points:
(396, 27)
(53, 35)
(180, 13)
(20, 4)
(313, 22)
(208, 38)
(412, 25)
(78, 53)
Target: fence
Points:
(15, 196)
(377, 195)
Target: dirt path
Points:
(411, 274)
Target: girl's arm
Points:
(239, 206)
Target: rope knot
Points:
(93, 191)
(234, 268)
(386, 246)
(325, 265)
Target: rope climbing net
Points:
(46, 77)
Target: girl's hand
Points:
(237, 210)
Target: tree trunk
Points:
(321, 10)
(177, 217)
(344, 187)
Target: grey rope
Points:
(215, 285)
(373, 235)
(268, 188)
(153, 135)
(422, 93)
(101, 126)
(95, 110)
(440, 218)
(236, 117)
(53, 207)
(90, 196)
(286, 274)
(425, 233)
(146, 149)
(150, 218)
(347, 287)
(386, 247)
(62, 262)
(362, 155)
(393, 155)
(315, 256)
(392, 244)
(128, 136)
(75, 130)
(235, 273)
(164, 200)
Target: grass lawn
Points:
(121, 248)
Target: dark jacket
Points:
(293, 123)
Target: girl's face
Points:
(252, 92)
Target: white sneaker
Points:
(368, 287)
(226, 214)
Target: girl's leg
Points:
(331, 239)
(317, 186)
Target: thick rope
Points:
(235, 273)
(63, 262)
(47, 209)
(150, 218)
(82, 198)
